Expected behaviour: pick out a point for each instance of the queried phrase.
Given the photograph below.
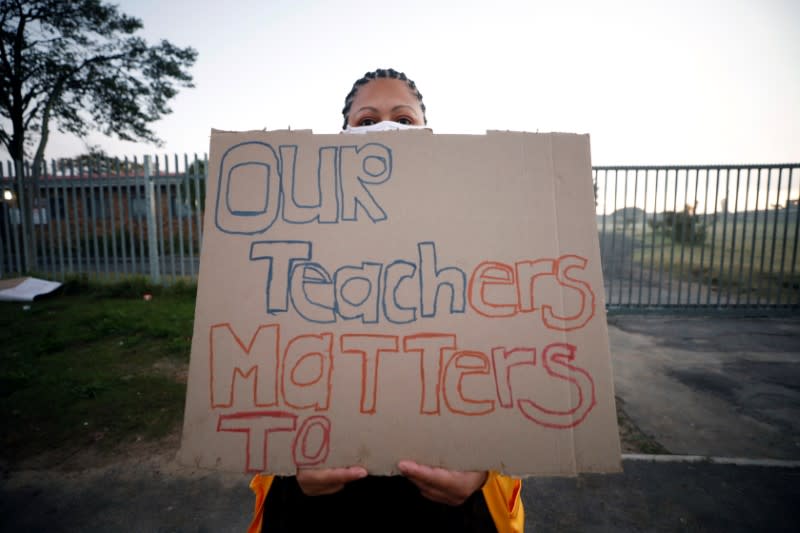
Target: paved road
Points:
(646, 497)
(711, 386)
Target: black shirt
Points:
(375, 504)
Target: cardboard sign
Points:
(364, 299)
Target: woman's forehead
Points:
(384, 90)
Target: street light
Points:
(8, 195)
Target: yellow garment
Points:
(260, 485)
(502, 495)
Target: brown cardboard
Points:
(484, 372)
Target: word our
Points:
(370, 290)
(298, 376)
(256, 184)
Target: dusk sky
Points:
(652, 82)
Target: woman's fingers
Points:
(318, 482)
(451, 487)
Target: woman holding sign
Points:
(424, 498)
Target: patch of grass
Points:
(86, 367)
(95, 366)
(632, 438)
(753, 261)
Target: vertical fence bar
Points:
(633, 236)
(22, 205)
(54, 205)
(19, 244)
(663, 238)
(774, 237)
(672, 235)
(781, 285)
(16, 232)
(126, 199)
(711, 275)
(695, 234)
(97, 217)
(613, 253)
(47, 185)
(167, 185)
(65, 194)
(95, 189)
(30, 235)
(84, 184)
(144, 242)
(764, 238)
(45, 220)
(604, 251)
(618, 242)
(643, 241)
(140, 215)
(703, 285)
(653, 227)
(795, 284)
(69, 260)
(152, 239)
(31, 197)
(683, 237)
(753, 241)
(189, 218)
(117, 234)
(49, 199)
(733, 240)
(624, 240)
(102, 180)
(33, 200)
(160, 230)
(131, 184)
(112, 214)
(77, 217)
(179, 214)
(200, 199)
(37, 228)
(39, 217)
(724, 236)
(745, 224)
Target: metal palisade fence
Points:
(694, 237)
(105, 218)
(699, 236)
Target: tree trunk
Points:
(32, 190)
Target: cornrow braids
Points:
(380, 73)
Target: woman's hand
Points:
(318, 482)
(444, 486)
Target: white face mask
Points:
(386, 125)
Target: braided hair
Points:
(380, 73)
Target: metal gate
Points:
(699, 236)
